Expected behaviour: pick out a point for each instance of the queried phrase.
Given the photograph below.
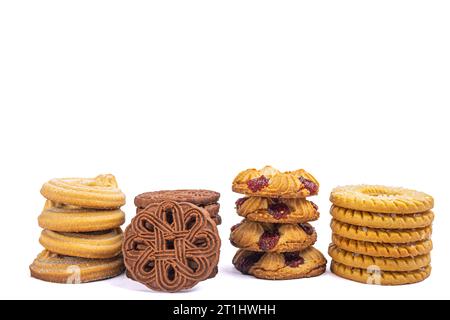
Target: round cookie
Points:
(275, 210)
(385, 264)
(375, 276)
(381, 199)
(198, 197)
(96, 245)
(59, 217)
(379, 235)
(100, 192)
(171, 246)
(382, 220)
(281, 266)
(206, 199)
(268, 237)
(398, 250)
(53, 267)
(272, 183)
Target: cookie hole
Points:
(149, 266)
(200, 243)
(148, 226)
(171, 273)
(170, 245)
(138, 246)
(192, 265)
(190, 223)
(169, 216)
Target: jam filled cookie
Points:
(281, 266)
(53, 267)
(268, 237)
(382, 220)
(275, 210)
(272, 183)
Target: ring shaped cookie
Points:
(281, 266)
(53, 267)
(380, 235)
(381, 199)
(171, 246)
(382, 220)
(272, 183)
(375, 276)
(101, 192)
(97, 245)
(57, 217)
(385, 264)
(397, 250)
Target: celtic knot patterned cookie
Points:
(171, 246)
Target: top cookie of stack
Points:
(381, 235)
(274, 239)
(81, 221)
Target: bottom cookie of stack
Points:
(53, 267)
(281, 266)
(375, 276)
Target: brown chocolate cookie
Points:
(171, 246)
(203, 198)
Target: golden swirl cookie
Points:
(380, 235)
(97, 245)
(53, 267)
(376, 276)
(101, 192)
(269, 237)
(385, 264)
(63, 218)
(382, 220)
(395, 250)
(281, 266)
(381, 199)
(275, 210)
(269, 182)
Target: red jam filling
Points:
(240, 202)
(315, 206)
(246, 262)
(307, 228)
(258, 184)
(235, 226)
(293, 259)
(268, 240)
(309, 185)
(278, 209)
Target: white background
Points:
(185, 94)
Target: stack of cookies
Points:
(173, 243)
(82, 236)
(381, 235)
(275, 239)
